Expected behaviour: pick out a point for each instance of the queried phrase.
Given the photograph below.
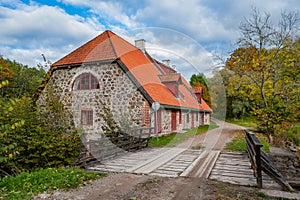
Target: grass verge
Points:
(239, 143)
(173, 139)
(26, 185)
(249, 122)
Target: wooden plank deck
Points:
(231, 167)
(235, 168)
(167, 162)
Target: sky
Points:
(190, 33)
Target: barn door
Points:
(173, 120)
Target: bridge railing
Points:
(260, 162)
(108, 147)
(253, 146)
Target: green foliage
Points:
(110, 127)
(33, 139)
(26, 185)
(262, 75)
(120, 130)
(291, 134)
(239, 143)
(249, 122)
(23, 80)
(199, 80)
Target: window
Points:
(86, 117)
(188, 118)
(86, 81)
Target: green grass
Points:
(26, 185)
(239, 143)
(249, 122)
(293, 134)
(176, 138)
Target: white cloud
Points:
(29, 30)
(189, 17)
(183, 51)
(113, 11)
(42, 25)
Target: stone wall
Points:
(117, 92)
(206, 118)
(287, 163)
(185, 123)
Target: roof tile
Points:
(146, 70)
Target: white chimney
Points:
(166, 62)
(140, 44)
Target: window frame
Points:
(89, 117)
(86, 81)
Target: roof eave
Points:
(183, 108)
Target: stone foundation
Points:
(287, 163)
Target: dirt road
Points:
(133, 186)
(214, 139)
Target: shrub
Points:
(32, 139)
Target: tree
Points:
(6, 74)
(199, 80)
(262, 58)
(35, 136)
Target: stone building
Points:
(110, 72)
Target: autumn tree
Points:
(264, 53)
(199, 80)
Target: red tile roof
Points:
(170, 77)
(146, 70)
(197, 89)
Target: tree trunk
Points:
(270, 137)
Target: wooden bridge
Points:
(231, 167)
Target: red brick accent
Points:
(146, 115)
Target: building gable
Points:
(146, 72)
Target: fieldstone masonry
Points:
(117, 92)
(287, 162)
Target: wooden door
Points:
(173, 120)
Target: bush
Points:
(31, 139)
(291, 134)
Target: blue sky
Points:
(188, 32)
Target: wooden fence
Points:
(260, 162)
(108, 147)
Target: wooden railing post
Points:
(254, 152)
(260, 162)
(258, 166)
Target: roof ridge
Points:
(113, 47)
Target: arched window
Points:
(86, 81)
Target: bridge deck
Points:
(168, 162)
(235, 168)
(231, 167)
